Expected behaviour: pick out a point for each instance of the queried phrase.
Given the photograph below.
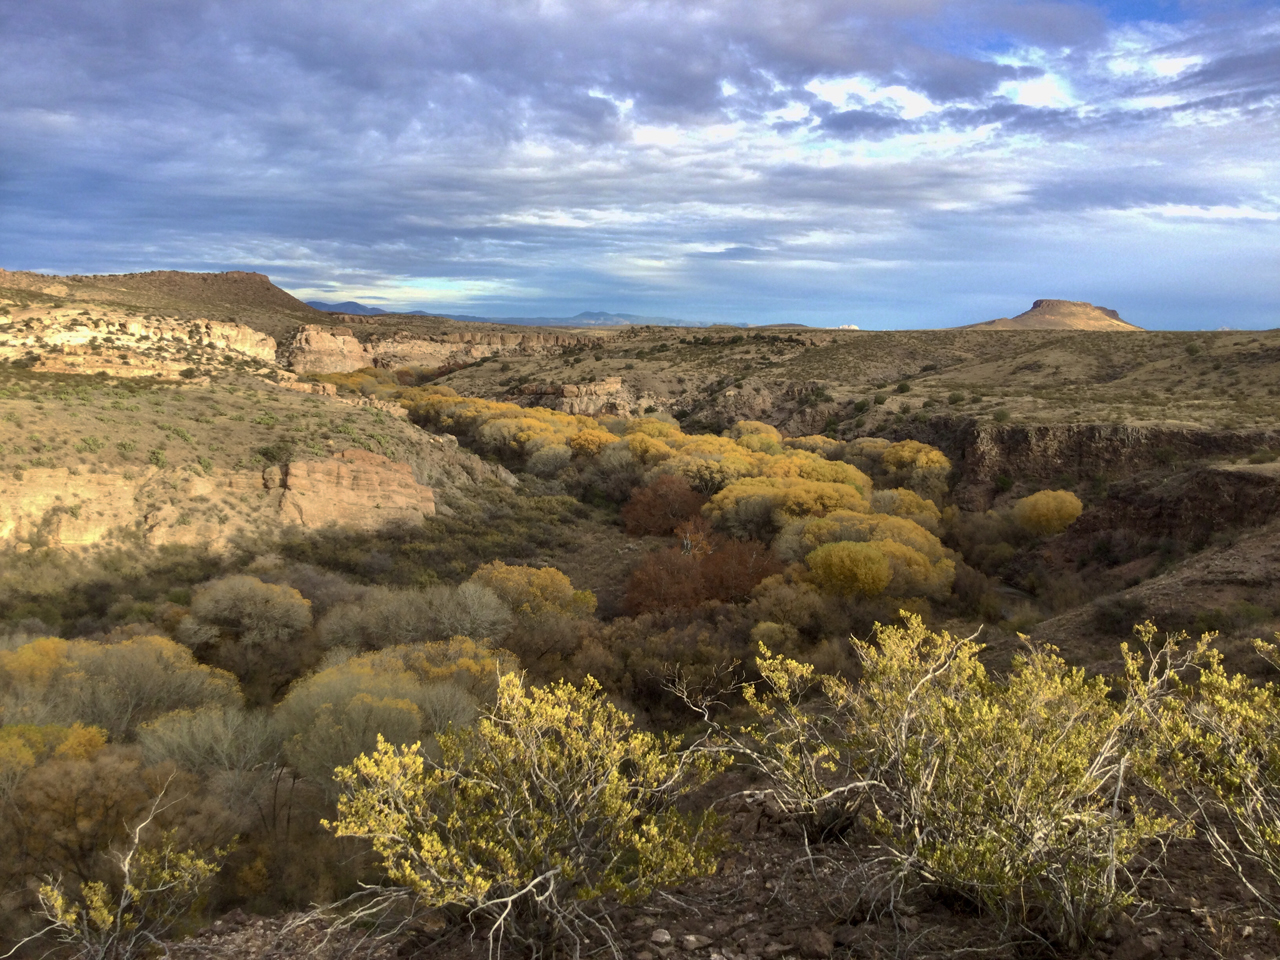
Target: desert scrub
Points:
(156, 887)
(549, 803)
(1013, 793)
(1223, 737)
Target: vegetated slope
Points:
(90, 460)
(1060, 315)
(875, 381)
(249, 298)
(959, 561)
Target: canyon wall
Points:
(319, 349)
(354, 488)
(76, 341)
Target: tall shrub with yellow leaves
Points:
(1014, 793)
(549, 803)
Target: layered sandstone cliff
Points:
(607, 397)
(354, 488)
(319, 349)
(70, 340)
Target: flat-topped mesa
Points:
(1060, 315)
(1058, 305)
(323, 349)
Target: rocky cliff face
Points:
(354, 488)
(607, 397)
(77, 341)
(983, 452)
(319, 349)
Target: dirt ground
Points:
(773, 898)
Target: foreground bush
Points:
(401, 695)
(1224, 739)
(1015, 794)
(549, 803)
(156, 886)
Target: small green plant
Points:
(157, 458)
(903, 387)
(1001, 416)
(126, 446)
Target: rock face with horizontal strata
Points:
(68, 341)
(319, 349)
(354, 488)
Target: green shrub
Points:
(1223, 737)
(246, 610)
(155, 888)
(551, 802)
(1003, 792)
(112, 686)
(384, 617)
(850, 568)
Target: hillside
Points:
(350, 529)
(1059, 315)
(235, 296)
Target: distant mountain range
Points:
(357, 309)
(587, 318)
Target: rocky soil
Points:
(776, 898)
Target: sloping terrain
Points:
(164, 437)
(235, 296)
(1060, 315)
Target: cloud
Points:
(735, 159)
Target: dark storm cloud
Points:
(516, 152)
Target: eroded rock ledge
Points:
(353, 488)
(320, 349)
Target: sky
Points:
(884, 163)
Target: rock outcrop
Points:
(75, 341)
(354, 488)
(607, 397)
(983, 452)
(321, 349)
